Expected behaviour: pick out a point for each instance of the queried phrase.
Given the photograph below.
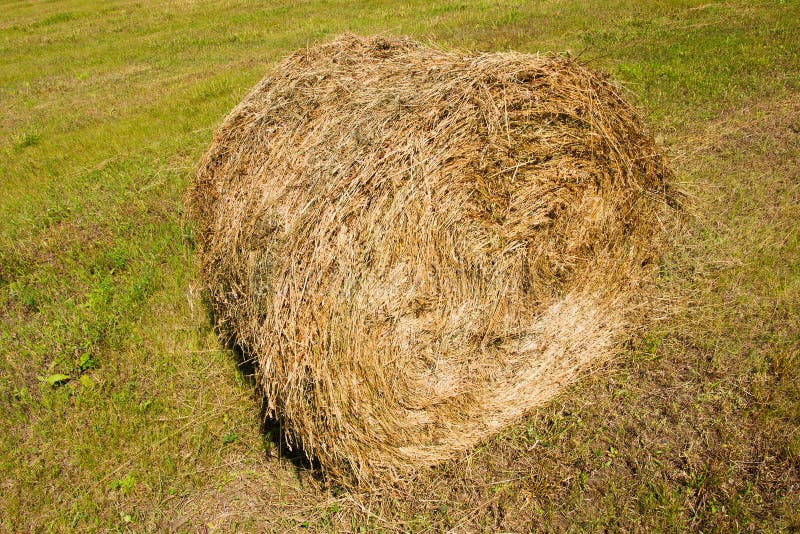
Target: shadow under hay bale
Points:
(416, 247)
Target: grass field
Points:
(107, 108)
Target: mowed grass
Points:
(108, 106)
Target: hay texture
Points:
(415, 246)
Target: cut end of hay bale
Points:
(416, 247)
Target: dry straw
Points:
(416, 246)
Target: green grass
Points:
(108, 106)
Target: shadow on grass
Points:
(276, 442)
(272, 429)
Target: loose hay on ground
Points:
(415, 246)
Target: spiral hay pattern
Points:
(416, 246)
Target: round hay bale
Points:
(415, 246)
